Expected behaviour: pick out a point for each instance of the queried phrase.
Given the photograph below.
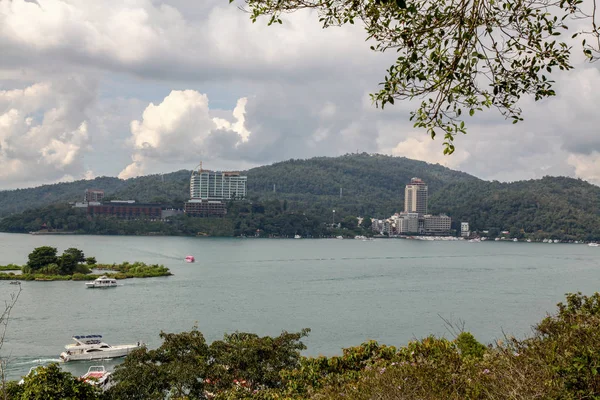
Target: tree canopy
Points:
(185, 366)
(41, 257)
(51, 382)
(45, 259)
(458, 57)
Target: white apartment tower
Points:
(217, 185)
(415, 197)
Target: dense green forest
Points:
(299, 196)
(557, 207)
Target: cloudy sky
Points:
(132, 87)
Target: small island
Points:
(45, 264)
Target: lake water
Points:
(346, 291)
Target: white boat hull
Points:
(91, 285)
(102, 282)
(114, 352)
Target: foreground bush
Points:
(45, 383)
(560, 361)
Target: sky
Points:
(135, 87)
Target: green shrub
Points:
(469, 346)
(10, 267)
(82, 269)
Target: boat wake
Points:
(39, 361)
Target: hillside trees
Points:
(457, 57)
(307, 191)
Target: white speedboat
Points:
(91, 347)
(102, 282)
(98, 376)
(593, 244)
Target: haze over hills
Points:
(371, 185)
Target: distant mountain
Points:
(371, 185)
(374, 183)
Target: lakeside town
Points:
(211, 192)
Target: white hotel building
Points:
(217, 185)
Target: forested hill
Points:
(169, 188)
(552, 206)
(371, 184)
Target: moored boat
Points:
(102, 282)
(98, 376)
(91, 347)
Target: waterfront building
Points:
(93, 196)
(377, 225)
(415, 197)
(408, 223)
(414, 219)
(387, 227)
(464, 229)
(127, 210)
(205, 208)
(217, 185)
(436, 224)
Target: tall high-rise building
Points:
(415, 197)
(217, 185)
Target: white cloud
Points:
(290, 91)
(158, 41)
(238, 126)
(423, 148)
(181, 129)
(587, 166)
(43, 131)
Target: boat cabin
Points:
(81, 340)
